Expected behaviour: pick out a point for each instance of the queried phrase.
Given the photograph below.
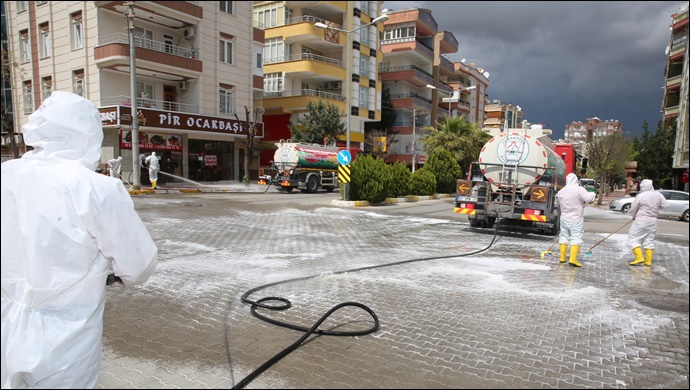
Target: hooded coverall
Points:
(644, 210)
(63, 227)
(571, 202)
(115, 167)
(154, 167)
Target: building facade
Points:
(579, 133)
(675, 104)
(303, 61)
(197, 65)
(502, 115)
(424, 84)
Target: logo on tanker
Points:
(513, 150)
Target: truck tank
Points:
(530, 149)
(291, 155)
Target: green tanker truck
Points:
(307, 167)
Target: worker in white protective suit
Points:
(571, 201)
(64, 227)
(115, 166)
(644, 211)
(154, 167)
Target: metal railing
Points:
(161, 47)
(125, 100)
(304, 56)
(304, 92)
(296, 20)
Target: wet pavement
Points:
(465, 309)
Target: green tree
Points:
(322, 120)
(607, 158)
(400, 179)
(374, 132)
(370, 179)
(462, 139)
(654, 154)
(445, 168)
(250, 123)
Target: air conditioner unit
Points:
(189, 32)
(182, 86)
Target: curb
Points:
(407, 199)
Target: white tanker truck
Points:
(305, 166)
(516, 179)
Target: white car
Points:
(677, 204)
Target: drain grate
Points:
(669, 304)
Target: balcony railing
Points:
(147, 44)
(296, 20)
(304, 92)
(410, 95)
(304, 56)
(125, 100)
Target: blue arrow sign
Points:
(344, 157)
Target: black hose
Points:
(314, 329)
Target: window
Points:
(21, 6)
(259, 60)
(274, 50)
(77, 32)
(366, 7)
(227, 104)
(363, 97)
(78, 82)
(225, 51)
(24, 47)
(144, 94)
(364, 66)
(228, 7)
(168, 40)
(47, 87)
(364, 36)
(266, 16)
(28, 98)
(143, 37)
(273, 82)
(44, 41)
(400, 32)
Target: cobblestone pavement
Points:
(502, 318)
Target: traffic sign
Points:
(344, 173)
(344, 157)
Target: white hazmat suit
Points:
(115, 166)
(154, 167)
(63, 227)
(571, 201)
(644, 210)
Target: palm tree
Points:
(464, 140)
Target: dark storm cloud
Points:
(564, 61)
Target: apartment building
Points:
(424, 84)
(502, 115)
(196, 65)
(676, 90)
(579, 133)
(305, 59)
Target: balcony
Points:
(410, 101)
(113, 52)
(296, 100)
(671, 111)
(407, 45)
(409, 73)
(125, 100)
(448, 43)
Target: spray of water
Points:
(243, 186)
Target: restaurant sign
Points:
(166, 120)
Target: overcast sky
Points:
(564, 61)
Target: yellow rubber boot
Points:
(648, 256)
(638, 256)
(574, 250)
(153, 184)
(564, 250)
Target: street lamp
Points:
(348, 80)
(450, 94)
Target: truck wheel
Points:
(312, 184)
(474, 222)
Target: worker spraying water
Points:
(154, 167)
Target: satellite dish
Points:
(471, 63)
(463, 60)
(480, 70)
(486, 74)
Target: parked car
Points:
(677, 201)
(590, 185)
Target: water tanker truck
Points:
(305, 166)
(516, 178)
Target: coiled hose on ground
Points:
(285, 304)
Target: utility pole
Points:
(414, 139)
(136, 174)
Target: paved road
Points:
(501, 318)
